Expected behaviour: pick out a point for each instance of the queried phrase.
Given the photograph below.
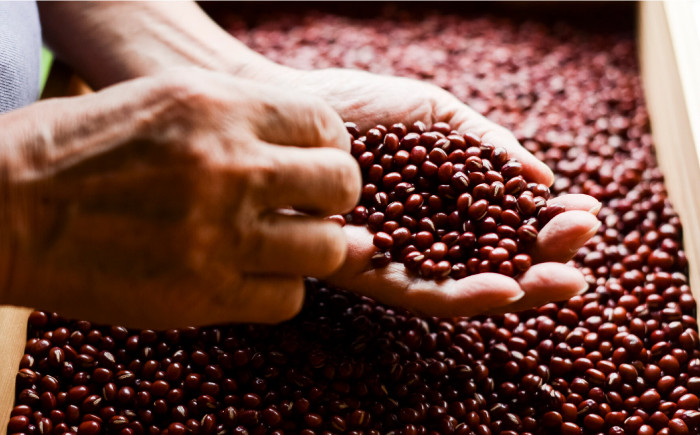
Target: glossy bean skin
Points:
(455, 191)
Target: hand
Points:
(158, 202)
(485, 293)
(369, 99)
(184, 35)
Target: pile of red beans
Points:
(623, 358)
(445, 203)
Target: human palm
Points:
(367, 100)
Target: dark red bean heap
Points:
(445, 203)
(624, 358)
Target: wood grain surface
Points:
(669, 50)
(13, 336)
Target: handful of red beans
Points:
(623, 358)
(445, 203)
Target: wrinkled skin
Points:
(169, 208)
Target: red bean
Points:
(568, 428)
(499, 255)
(521, 262)
(438, 251)
(526, 205)
(477, 210)
(380, 259)
(689, 401)
(418, 155)
(650, 400)
(527, 233)
(512, 169)
(391, 179)
(18, 423)
(678, 427)
(90, 428)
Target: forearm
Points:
(108, 42)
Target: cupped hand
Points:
(369, 99)
(547, 280)
(165, 202)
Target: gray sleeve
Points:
(20, 53)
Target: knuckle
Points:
(198, 97)
(186, 101)
(330, 130)
(185, 86)
(253, 176)
(262, 173)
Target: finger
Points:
(296, 244)
(469, 296)
(533, 169)
(322, 181)
(544, 283)
(396, 286)
(470, 121)
(300, 120)
(258, 299)
(562, 236)
(360, 249)
(577, 201)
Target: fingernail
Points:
(595, 229)
(583, 290)
(592, 232)
(550, 174)
(581, 240)
(596, 208)
(514, 298)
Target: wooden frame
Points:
(670, 67)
